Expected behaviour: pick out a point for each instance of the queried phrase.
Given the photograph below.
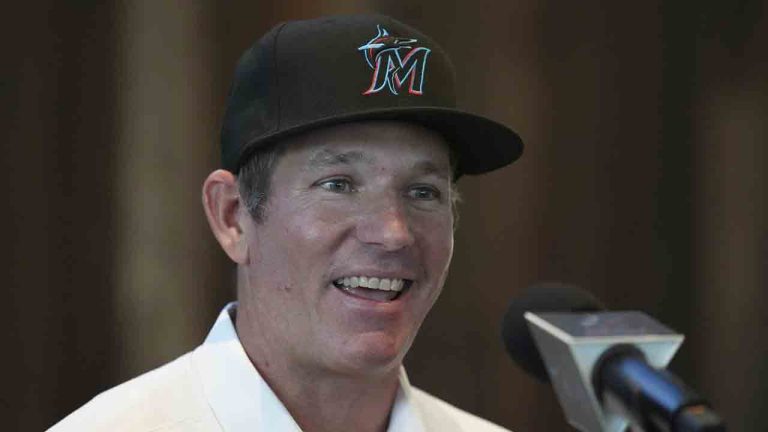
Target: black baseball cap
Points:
(303, 75)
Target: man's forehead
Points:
(326, 157)
(371, 142)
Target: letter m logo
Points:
(395, 63)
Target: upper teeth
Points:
(372, 283)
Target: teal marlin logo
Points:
(395, 61)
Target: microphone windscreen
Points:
(543, 297)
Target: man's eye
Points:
(337, 185)
(424, 193)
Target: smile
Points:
(372, 288)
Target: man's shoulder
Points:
(168, 398)
(440, 415)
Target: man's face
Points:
(350, 205)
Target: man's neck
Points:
(319, 401)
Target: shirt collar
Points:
(242, 401)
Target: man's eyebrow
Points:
(325, 158)
(428, 167)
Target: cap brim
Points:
(482, 145)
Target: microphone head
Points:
(542, 297)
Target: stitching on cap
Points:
(277, 76)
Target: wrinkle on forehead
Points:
(326, 158)
(359, 135)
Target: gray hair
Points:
(255, 178)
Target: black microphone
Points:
(606, 367)
(543, 297)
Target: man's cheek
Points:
(324, 222)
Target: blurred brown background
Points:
(644, 180)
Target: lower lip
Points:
(384, 307)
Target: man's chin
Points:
(373, 355)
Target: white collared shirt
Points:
(217, 388)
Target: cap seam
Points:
(277, 77)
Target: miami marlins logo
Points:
(395, 61)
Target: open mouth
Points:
(371, 288)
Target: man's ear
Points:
(221, 201)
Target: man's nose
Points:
(386, 226)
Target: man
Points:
(340, 149)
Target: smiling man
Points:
(341, 145)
